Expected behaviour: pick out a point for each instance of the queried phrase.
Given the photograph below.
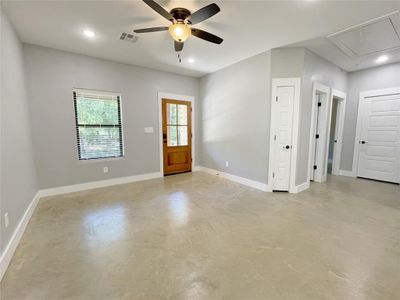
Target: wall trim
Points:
(97, 184)
(251, 183)
(12, 245)
(301, 187)
(347, 173)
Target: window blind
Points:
(98, 124)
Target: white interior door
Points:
(283, 136)
(379, 149)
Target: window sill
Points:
(100, 160)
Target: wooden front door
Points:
(177, 136)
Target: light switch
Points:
(148, 130)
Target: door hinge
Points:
(276, 98)
(191, 109)
(274, 137)
(315, 167)
(273, 175)
(317, 136)
(319, 104)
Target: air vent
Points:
(371, 37)
(128, 37)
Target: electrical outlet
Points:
(227, 164)
(6, 220)
(105, 169)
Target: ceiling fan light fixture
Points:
(179, 32)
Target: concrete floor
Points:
(196, 236)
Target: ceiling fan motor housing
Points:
(180, 14)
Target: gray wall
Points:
(386, 76)
(287, 62)
(18, 175)
(316, 69)
(235, 118)
(52, 75)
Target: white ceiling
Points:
(248, 28)
(359, 47)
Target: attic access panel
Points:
(374, 36)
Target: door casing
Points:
(172, 96)
(341, 111)
(321, 152)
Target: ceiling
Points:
(359, 47)
(248, 28)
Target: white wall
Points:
(300, 62)
(316, 69)
(287, 62)
(386, 76)
(18, 174)
(235, 118)
(52, 75)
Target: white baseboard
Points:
(97, 184)
(19, 231)
(196, 168)
(251, 183)
(301, 187)
(12, 245)
(347, 173)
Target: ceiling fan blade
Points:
(203, 13)
(178, 46)
(209, 37)
(151, 29)
(158, 8)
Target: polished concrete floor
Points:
(197, 236)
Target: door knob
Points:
(364, 142)
(286, 147)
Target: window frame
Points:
(77, 125)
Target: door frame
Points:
(340, 114)
(363, 95)
(318, 87)
(278, 82)
(163, 95)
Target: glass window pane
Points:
(99, 142)
(182, 135)
(97, 111)
(182, 114)
(171, 114)
(172, 136)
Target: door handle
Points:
(363, 142)
(287, 147)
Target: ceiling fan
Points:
(182, 20)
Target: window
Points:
(98, 124)
(177, 125)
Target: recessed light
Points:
(381, 59)
(89, 33)
(191, 60)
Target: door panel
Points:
(379, 151)
(283, 139)
(177, 136)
